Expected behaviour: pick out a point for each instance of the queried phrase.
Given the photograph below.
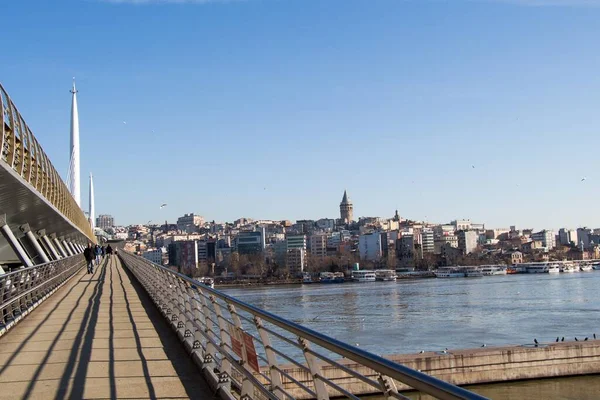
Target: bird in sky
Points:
(535, 341)
(583, 179)
(163, 205)
(124, 122)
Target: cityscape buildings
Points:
(105, 221)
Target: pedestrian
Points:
(109, 250)
(97, 253)
(103, 251)
(88, 253)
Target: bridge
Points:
(139, 330)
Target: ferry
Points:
(538, 269)
(306, 278)
(363, 276)
(586, 267)
(490, 270)
(385, 275)
(449, 272)
(331, 277)
(473, 272)
(568, 268)
(596, 265)
(553, 269)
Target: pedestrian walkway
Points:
(99, 336)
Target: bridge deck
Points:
(99, 336)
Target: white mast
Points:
(74, 184)
(92, 208)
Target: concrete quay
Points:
(98, 336)
(477, 366)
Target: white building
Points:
(467, 241)
(156, 256)
(369, 246)
(547, 238)
(296, 260)
(326, 224)
(189, 222)
(427, 241)
(461, 224)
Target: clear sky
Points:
(271, 108)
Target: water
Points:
(433, 314)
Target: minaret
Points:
(346, 209)
(74, 182)
(92, 208)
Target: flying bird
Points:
(484, 345)
(472, 166)
(583, 179)
(124, 122)
(422, 351)
(163, 205)
(535, 341)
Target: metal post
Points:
(247, 387)
(276, 382)
(66, 247)
(60, 247)
(72, 246)
(315, 370)
(34, 241)
(14, 243)
(42, 233)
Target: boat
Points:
(568, 268)
(206, 281)
(537, 268)
(331, 277)
(596, 265)
(585, 267)
(473, 272)
(449, 272)
(306, 278)
(363, 276)
(490, 270)
(385, 275)
(553, 269)
(511, 270)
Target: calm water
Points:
(433, 314)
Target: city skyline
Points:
(275, 107)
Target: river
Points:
(433, 314)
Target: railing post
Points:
(225, 364)
(388, 387)
(315, 370)
(14, 243)
(211, 351)
(247, 386)
(276, 382)
(66, 247)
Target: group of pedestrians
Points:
(96, 253)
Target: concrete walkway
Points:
(99, 336)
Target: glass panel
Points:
(17, 128)
(25, 138)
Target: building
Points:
(326, 224)
(441, 241)
(346, 209)
(547, 238)
(250, 242)
(583, 236)
(427, 241)
(296, 242)
(296, 260)
(532, 246)
(567, 237)
(467, 241)
(105, 221)
(189, 223)
(184, 255)
(318, 245)
(370, 246)
(405, 251)
(154, 256)
(516, 257)
(461, 224)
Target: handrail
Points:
(171, 291)
(24, 289)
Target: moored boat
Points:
(385, 275)
(306, 278)
(449, 272)
(585, 267)
(363, 276)
(331, 277)
(473, 272)
(567, 268)
(490, 270)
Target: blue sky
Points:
(271, 108)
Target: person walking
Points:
(88, 253)
(103, 251)
(98, 253)
(109, 250)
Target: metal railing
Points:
(23, 290)
(249, 353)
(20, 150)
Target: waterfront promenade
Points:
(99, 336)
